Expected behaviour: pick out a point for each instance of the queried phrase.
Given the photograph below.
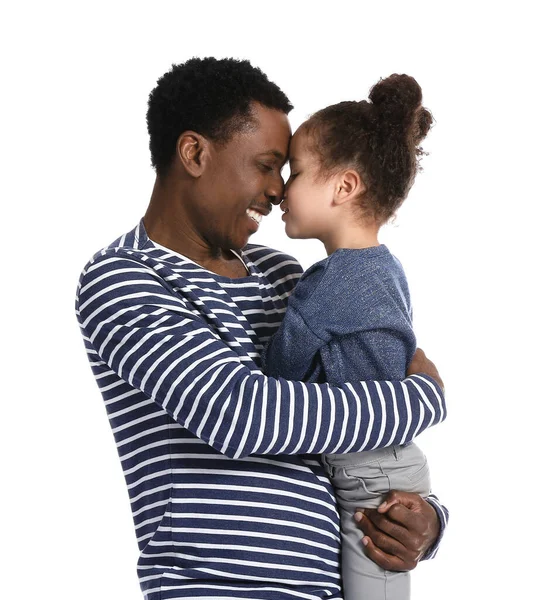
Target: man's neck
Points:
(166, 225)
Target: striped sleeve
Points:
(158, 343)
(443, 516)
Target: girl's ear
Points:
(348, 186)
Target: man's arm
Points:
(154, 340)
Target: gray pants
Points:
(361, 480)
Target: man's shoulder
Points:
(125, 250)
(269, 259)
(132, 241)
(281, 270)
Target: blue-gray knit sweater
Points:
(349, 319)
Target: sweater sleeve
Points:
(154, 340)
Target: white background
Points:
(76, 175)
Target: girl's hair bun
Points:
(398, 100)
(398, 94)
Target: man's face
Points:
(242, 180)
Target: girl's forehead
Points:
(298, 142)
(302, 148)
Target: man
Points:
(229, 498)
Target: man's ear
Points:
(348, 186)
(193, 152)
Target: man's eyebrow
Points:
(276, 154)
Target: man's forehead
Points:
(270, 119)
(269, 147)
(267, 135)
(260, 143)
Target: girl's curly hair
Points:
(378, 137)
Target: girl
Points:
(349, 319)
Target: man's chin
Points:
(238, 244)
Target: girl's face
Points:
(307, 203)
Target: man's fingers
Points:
(382, 523)
(394, 498)
(384, 560)
(388, 536)
(421, 364)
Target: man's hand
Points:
(400, 531)
(420, 364)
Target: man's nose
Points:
(276, 193)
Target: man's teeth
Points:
(256, 216)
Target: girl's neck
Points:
(352, 237)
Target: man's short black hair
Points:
(209, 96)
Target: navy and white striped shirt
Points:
(228, 497)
